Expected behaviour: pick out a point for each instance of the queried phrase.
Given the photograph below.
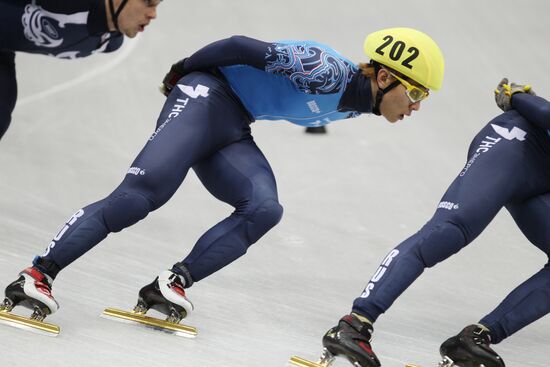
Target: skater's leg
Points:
(239, 175)
(188, 130)
(457, 221)
(533, 218)
(527, 303)
(8, 92)
(530, 300)
(495, 175)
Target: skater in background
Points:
(63, 29)
(508, 166)
(213, 97)
(317, 130)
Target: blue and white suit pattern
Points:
(302, 82)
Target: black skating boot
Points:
(470, 348)
(31, 290)
(316, 130)
(351, 339)
(165, 294)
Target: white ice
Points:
(349, 196)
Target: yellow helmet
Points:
(410, 52)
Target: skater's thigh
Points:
(533, 218)
(8, 91)
(188, 130)
(239, 172)
(499, 171)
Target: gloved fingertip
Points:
(164, 90)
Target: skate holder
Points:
(163, 325)
(29, 324)
(301, 362)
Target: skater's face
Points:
(136, 15)
(396, 103)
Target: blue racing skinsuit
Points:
(508, 166)
(64, 29)
(205, 125)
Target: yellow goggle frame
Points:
(415, 94)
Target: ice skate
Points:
(31, 290)
(349, 339)
(470, 348)
(165, 295)
(316, 129)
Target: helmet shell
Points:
(410, 52)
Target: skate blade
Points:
(157, 324)
(301, 362)
(26, 323)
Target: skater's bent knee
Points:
(269, 213)
(439, 242)
(124, 210)
(263, 218)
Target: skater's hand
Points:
(505, 92)
(177, 71)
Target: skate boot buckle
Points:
(175, 316)
(141, 308)
(7, 305)
(326, 360)
(38, 314)
(446, 362)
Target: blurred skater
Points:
(63, 29)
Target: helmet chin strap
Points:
(115, 14)
(381, 91)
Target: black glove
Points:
(505, 92)
(177, 71)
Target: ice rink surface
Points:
(349, 196)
